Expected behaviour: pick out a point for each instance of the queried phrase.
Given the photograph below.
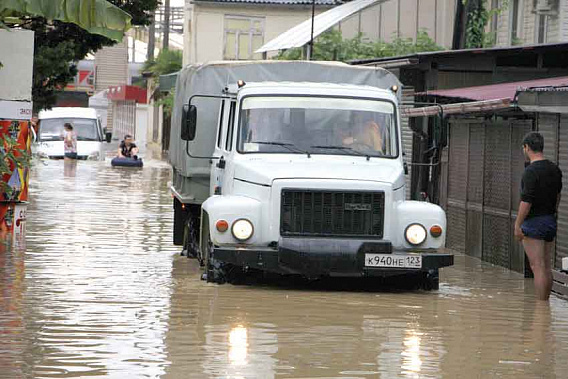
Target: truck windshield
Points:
(317, 125)
(51, 129)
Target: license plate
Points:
(393, 260)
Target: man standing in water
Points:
(536, 221)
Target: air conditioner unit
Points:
(546, 7)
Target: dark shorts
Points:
(540, 228)
(71, 155)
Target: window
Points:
(494, 18)
(243, 35)
(542, 26)
(515, 22)
(230, 127)
(317, 125)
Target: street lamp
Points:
(311, 46)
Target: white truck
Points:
(297, 168)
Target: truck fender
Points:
(232, 208)
(425, 214)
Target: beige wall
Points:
(204, 37)
(556, 26)
(404, 18)
(205, 42)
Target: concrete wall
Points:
(404, 18)
(205, 40)
(16, 56)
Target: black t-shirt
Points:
(127, 151)
(541, 184)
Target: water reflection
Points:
(100, 291)
(411, 361)
(238, 346)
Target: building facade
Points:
(527, 22)
(233, 29)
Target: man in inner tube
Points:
(128, 148)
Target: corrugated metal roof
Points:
(497, 91)
(300, 35)
(561, 46)
(275, 2)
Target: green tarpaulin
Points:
(95, 16)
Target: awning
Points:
(496, 91)
(483, 98)
(95, 16)
(301, 34)
(128, 93)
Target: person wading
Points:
(69, 141)
(536, 220)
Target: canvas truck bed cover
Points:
(191, 176)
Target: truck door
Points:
(223, 145)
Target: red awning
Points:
(120, 93)
(496, 91)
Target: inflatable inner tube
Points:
(126, 162)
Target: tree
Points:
(330, 46)
(167, 62)
(58, 45)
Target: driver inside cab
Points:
(365, 134)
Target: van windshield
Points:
(51, 129)
(318, 125)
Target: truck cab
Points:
(308, 179)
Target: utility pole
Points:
(311, 46)
(166, 25)
(151, 38)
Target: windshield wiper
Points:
(332, 147)
(290, 146)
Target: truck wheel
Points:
(191, 236)
(215, 271)
(430, 280)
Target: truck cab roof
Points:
(311, 89)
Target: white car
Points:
(86, 124)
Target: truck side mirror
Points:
(108, 136)
(188, 123)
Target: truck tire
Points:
(430, 280)
(215, 271)
(191, 232)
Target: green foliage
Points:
(168, 102)
(140, 10)
(330, 46)
(167, 62)
(478, 17)
(10, 155)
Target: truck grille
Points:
(332, 213)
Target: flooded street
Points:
(98, 290)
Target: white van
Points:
(86, 124)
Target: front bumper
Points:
(314, 257)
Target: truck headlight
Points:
(415, 234)
(242, 229)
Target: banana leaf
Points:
(95, 16)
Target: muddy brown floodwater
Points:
(98, 290)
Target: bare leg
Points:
(535, 250)
(548, 246)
